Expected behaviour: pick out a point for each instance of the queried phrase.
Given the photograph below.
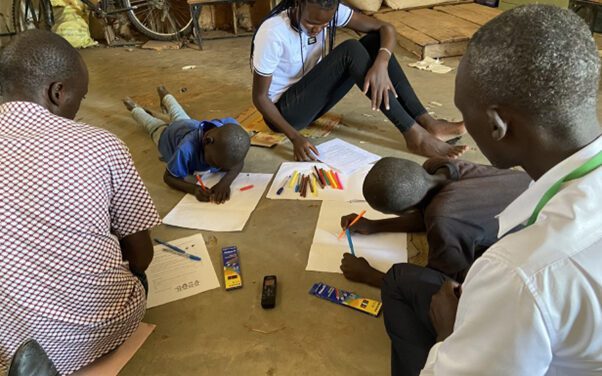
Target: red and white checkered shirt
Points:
(68, 193)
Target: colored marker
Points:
(317, 180)
(246, 188)
(322, 183)
(198, 178)
(336, 176)
(360, 215)
(177, 250)
(331, 177)
(302, 186)
(281, 189)
(350, 241)
(298, 183)
(314, 186)
(325, 175)
(293, 181)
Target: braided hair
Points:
(289, 6)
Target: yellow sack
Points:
(71, 22)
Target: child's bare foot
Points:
(359, 270)
(421, 142)
(442, 129)
(129, 103)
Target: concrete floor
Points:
(213, 333)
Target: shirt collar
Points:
(19, 106)
(521, 209)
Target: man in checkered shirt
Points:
(74, 214)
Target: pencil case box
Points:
(346, 298)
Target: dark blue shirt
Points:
(181, 145)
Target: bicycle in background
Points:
(157, 19)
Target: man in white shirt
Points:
(532, 304)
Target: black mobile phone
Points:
(268, 292)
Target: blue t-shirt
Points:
(181, 145)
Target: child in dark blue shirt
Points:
(190, 146)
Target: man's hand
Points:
(201, 194)
(378, 82)
(444, 305)
(220, 193)
(303, 149)
(362, 226)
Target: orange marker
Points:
(198, 178)
(336, 176)
(246, 188)
(360, 215)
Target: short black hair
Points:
(540, 60)
(36, 58)
(232, 142)
(395, 185)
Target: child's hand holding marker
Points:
(357, 218)
(362, 226)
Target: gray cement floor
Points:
(214, 333)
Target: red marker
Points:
(246, 188)
(198, 178)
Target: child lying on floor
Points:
(191, 146)
(455, 202)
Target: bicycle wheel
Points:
(32, 14)
(160, 19)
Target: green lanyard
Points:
(579, 172)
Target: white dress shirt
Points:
(532, 304)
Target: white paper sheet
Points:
(352, 184)
(111, 363)
(344, 156)
(229, 216)
(381, 250)
(172, 277)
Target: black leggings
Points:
(330, 80)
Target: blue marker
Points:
(179, 251)
(281, 189)
(350, 242)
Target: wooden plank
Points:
(445, 49)
(451, 22)
(479, 18)
(404, 31)
(438, 25)
(481, 9)
(417, 4)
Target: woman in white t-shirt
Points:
(295, 81)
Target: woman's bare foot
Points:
(129, 103)
(442, 129)
(359, 270)
(421, 142)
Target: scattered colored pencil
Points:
(331, 177)
(179, 251)
(203, 187)
(350, 242)
(360, 215)
(319, 182)
(336, 176)
(325, 175)
(281, 189)
(293, 181)
(314, 185)
(247, 187)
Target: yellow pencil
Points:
(334, 182)
(314, 186)
(294, 179)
